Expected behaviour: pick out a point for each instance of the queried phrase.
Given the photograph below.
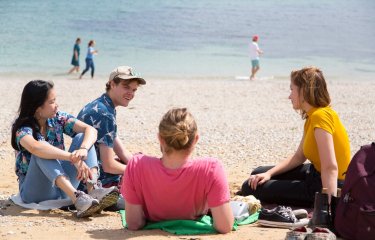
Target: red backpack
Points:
(355, 211)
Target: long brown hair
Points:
(312, 86)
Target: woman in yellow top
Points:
(325, 143)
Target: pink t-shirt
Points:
(184, 193)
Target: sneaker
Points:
(85, 205)
(282, 217)
(106, 196)
(299, 233)
(321, 234)
(120, 205)
(300, 213)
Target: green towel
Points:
(203, 225)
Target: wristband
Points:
(84, 148)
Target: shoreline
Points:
(263, 75)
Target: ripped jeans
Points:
(39, 182)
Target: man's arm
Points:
(110, 164)
(121, 151)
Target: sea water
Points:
(180, 38)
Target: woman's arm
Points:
(75, 54)
(89, 138)
(329, 169)
(223, 218)
(93, 51)
(45, 150)
(135, 218)
(292, 162)
(90, 133)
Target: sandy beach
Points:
(243, 123)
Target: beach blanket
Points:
(45, 205)
(203, 225)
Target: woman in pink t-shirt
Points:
(175, 186)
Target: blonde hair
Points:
(178, 129)
(312, 86)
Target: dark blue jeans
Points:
(296, 187)
(89, 64)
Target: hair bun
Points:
(178, 129)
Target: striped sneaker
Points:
(282, 217)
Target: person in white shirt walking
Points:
(254, 55)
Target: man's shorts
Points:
(255, 63)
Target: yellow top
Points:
(327, 119)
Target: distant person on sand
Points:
(45, 170)
(90, 59)
(75, 58)
(254, 56)
(325, 143)
(101, 114)
(175, 186)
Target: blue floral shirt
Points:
(101, 114)
(56, 127)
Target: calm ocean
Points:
(180, 38)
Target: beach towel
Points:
(203, 225)
(45, 205)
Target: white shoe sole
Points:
(299, 223)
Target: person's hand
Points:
(258, 179)
(83, 171)
(80, 154)
(73, 158)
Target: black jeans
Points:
(296, 187)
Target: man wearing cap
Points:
(101, 114)
(254, 56)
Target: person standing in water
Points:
(255, 51)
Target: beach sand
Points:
(243, 123)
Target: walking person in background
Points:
(75, 58)
(90, 59)
(175, 186)
(254, 56)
